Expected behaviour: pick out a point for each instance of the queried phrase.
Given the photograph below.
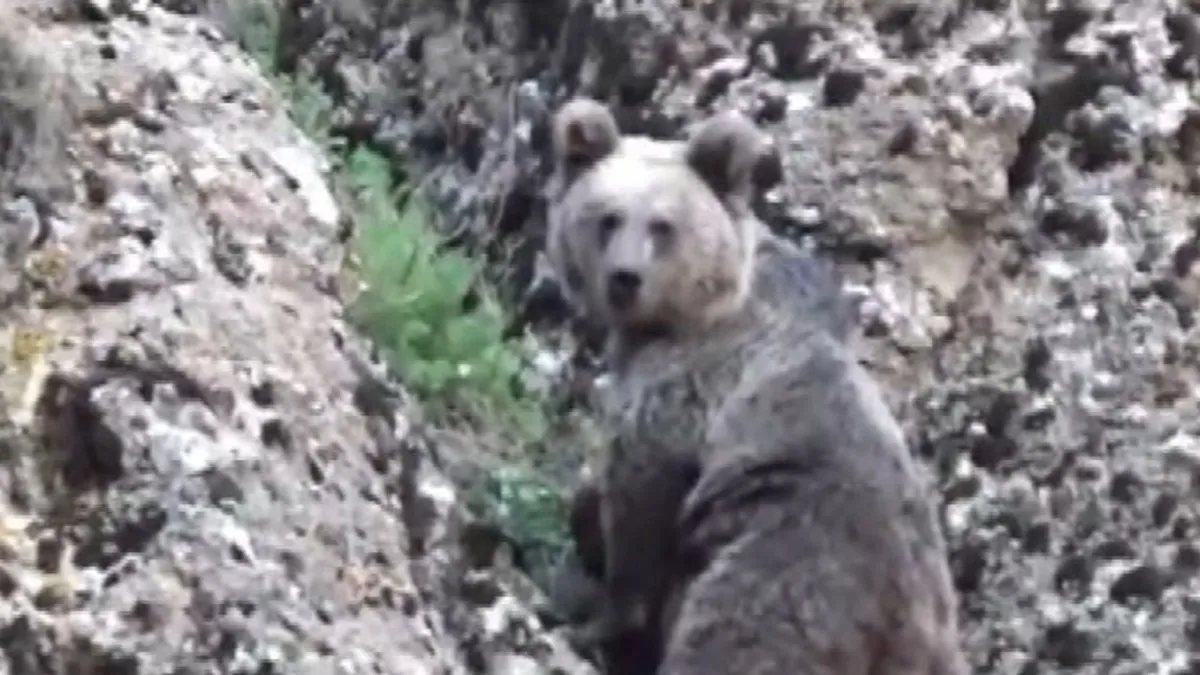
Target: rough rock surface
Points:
(1015, 188)
(201, 471)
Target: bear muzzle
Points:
(622, 289)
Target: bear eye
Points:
(661, 229)
(608, 223)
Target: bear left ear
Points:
(724, 151)
(584, 132)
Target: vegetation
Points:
(413, 309)
(430, 313)
(530, 511)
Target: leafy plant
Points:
(527, 509)
(413, 308)
(439, 328)
(254, 24)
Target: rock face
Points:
(200, 469)
(1014, 186)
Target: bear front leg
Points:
(643, 491)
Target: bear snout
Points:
(623, 287)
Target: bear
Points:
(576, 594)
(811, 541)
(683, 179)
(667, 184)
(756, 485)
(577, 589)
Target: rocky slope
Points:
(201, 471)
(1014, 187)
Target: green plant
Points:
(34, 114)
(455, 360)
(530, 511)
(310, 108)
(413, 308)
(254, 24)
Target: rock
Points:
(98, 10)
(189, 479)
(19, 232)
(300, 167)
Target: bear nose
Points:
(623, 288)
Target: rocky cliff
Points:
(204, 470)
(201, 468)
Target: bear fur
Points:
(785, 276)
(759, 509)
(657, 191)
(577, 595)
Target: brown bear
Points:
(576, 592)
(626, 650)
(649, 177)
(600, 175)
(755, 475)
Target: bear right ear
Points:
(724, 150)
(584, 133)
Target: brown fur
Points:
(665, 212)
(652, 195)
(579, 595)
(812, 530)
(755, 474)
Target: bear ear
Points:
(584, 133)
(724, 151)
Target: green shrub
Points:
(413, 309)
(253, 24)
(310, 108)
(530, 511)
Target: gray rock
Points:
(187, 483)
